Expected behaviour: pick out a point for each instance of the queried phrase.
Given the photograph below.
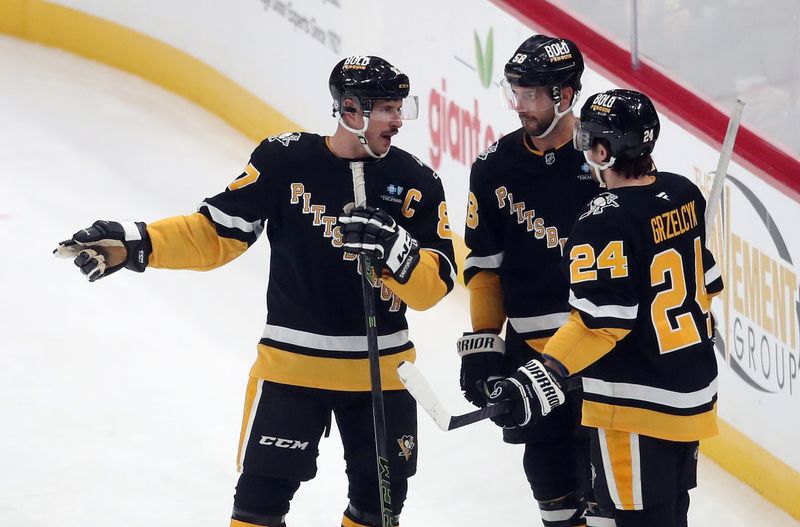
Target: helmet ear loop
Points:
(597, 168)
(558, 115)
(361, 134)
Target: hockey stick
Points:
(378, 421)
(715, 195)
(420, 390)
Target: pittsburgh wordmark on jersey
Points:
(528, 217)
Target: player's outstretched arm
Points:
(106, 247)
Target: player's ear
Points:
(605, 153)
(567, 94)
(351, 111)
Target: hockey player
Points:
(640, 331)
(312, 355)
(525, 192)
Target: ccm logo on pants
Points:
(291, 444)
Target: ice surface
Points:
(122, 399)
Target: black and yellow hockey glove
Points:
(371, 231)
(108, 246)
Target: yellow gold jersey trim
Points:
(424, 288)
(252, 395)
(486, 302)
(190, 242)
(620, 459)
(347, 375)
(532, 149)
(237, 523)
(575, 346)
(538, 344)
(347, 522)
(650, 423)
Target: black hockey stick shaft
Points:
(457, 421)
(373, 353)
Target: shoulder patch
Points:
(424, 165)
(286, 138)
(490, 150)
(599, 204)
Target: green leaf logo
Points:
(484, 57)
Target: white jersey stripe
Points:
(484, 262)
(712, 274)
(639, 392)
(357, 343)
(610, 310)
(597, 521)
(636, 472)
(608, 470)
(233, 222)
(538, 323)
(442, 255)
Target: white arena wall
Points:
(263, 65)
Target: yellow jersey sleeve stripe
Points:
(576, 346)
(424, 288)
(538, 344)
(486, 301)
(190, 242)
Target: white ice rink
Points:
(120, 401)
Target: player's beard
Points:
(535, 126)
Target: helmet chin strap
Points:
(362, 138)
(559, 115)
(597, 168)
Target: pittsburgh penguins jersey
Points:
(641, 282)
(522, 205)
(294, 188)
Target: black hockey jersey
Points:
(522, 205)
(639, 268)
(294, 188)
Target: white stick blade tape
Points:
(419, 388)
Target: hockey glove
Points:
(482, 365)
(371, 231)
(534, 391)
(106, 247)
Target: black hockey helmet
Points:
(545, 61)
(366, 78)
(627, 119)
